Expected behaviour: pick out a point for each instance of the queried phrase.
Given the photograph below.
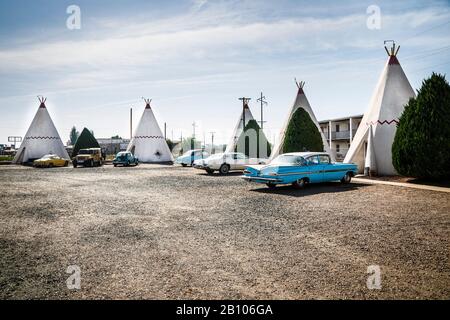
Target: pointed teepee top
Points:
(392, 52)
(147, 103)
(42, 101)
(300, 86)
(245, 102)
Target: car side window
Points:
(324, 159)
(300, 161)
(314, 160)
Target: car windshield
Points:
(289, 160)
(86, 151)
(187, 153)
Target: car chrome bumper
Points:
(260, 179)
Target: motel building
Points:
(340, 133)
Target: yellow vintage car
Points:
(49, 161)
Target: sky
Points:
(195, 58)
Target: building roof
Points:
(342, 119)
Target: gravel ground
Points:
(159, 232)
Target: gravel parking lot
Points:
(160, 232)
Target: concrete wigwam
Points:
(148, 143)
(41, 138)
(392, 93)
(300, 102)
(246, 116)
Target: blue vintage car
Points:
(125, 158)
(188, 158)
(299, 169)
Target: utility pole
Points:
(262, 100)
(212, 141)
(244, 104)
(165, 131)
(194, 125)
(204, 140)
(181, 141)
(131, 123)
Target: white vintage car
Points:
(226, 162)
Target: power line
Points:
(434, 66)
(426, 30)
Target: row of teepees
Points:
(370, 149)
(147, 143)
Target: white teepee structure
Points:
(300, 102)
(392, 93)
(246, 116)
(41, 138)
(148, 143)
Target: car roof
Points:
(305, 154)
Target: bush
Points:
(302, 134)
(421, 146)
(84, 141)
(244, 140)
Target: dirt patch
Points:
(159, 232)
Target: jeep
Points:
(91, 157)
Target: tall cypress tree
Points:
(421, 147)
(73, 135)
(85, 140)
(302, 134)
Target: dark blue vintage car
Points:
(299, 169)
(125, 158)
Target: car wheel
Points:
(224, 169)
(271, 185)
(50, 165)
(66, 163)
(75, 164)
(299, 184)
(115, 165)
(184, 164)
(347, 178)
(91, 163)
(210, 171)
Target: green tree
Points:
(114, 137)
(73, 135)
(421, 146)
(246, 137)
(302, 134)
(84, 141)
(170, 144)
